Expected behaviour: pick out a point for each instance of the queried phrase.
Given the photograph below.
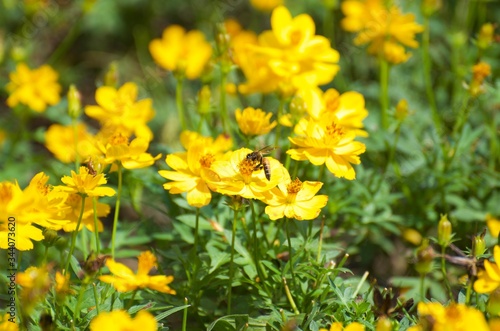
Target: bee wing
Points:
(267, 149)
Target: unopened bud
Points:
(429, 7)
(204, 96)
(402, 110)
(384, 324)
(479, 245)
(111, 76)
(485, 37)
(51, 237)
(425, 257)
(444, 231)
(74, 102)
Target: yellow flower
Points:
(60, 140)
(480, 71)
(85, 183)
(355, 326)
(25, 233)
(35, 88)
(120, 110)
(116, 148)
(288, 57)
(493, 224)
(62, 285)
(239, 175)
(295, 199)
(192, 169)
(8, 322)
(124, 280)
(35, 283)
(74, 201)
(120, 320)
(489, 279)
(456, 317)
(181, 52)
(485, 36)
(385, 29)
(266, 5)
(254, 122)
(328, 143)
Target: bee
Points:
(90, 166)
(262, 162)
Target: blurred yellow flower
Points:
(118, 109)
(254, 122)
(266, 5)
(74, 201)
(60, 141)
(327, 142)
(480, 71)
(385, 29)
(85, 183)
(456, 317)
(486, 35)
(288, 57)
(25, 233)
(295, 199)
(489, 279)
(238, 175)
(37, 88)
(8, 322)
(124, 280)
(337, 326)
(181, 52)
(35, 283)
(493, 224)
(120, 320)
(62, 285)
(115, 147)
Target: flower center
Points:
(294, 187)
(246, 167)
(335, 131)
(118, 139)
(5, 192)
(74, 200)
(207, 160)
(296, 37)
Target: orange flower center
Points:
(294, 187)
(335, 131)
(207, 160)
(118, 139)
(74, 200)
(246, 167)
(5, 192)
(295, 37)
(332, 103)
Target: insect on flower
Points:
(262, 162)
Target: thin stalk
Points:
(493, 145)
(278, 115)
(180, 104)
(76, 313)
(185, 315)
(73, 236)
(422, 287)
(290, 256)
(290, 298)
(75, 138)
(231, 264)
(427, 77)
(320, 240)
(131, 301)
(223, 105)
(94, 288)
(96, 228)
(83, 237)
(117, 211)
(469, 291)
(196, 228)
(361, 281)
(443, 271)
(384, 93)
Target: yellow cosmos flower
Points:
(85, 183)
(119, 109)
(221, 144)
(266, 5)
(74, 201)
(457, 317)
(288, 57)
(489, 279)
(493, 225)
(124, 280)
(132, 155)
(25, 233)
(35, 283)
(351, 327)
(120, 320)
(6, 322)
(254, 122)
(328, 143)
(60, 141)
(181, 52)
(295, 199)
(37, 88)
(239, 175)
(385, 29)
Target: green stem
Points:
(96, 228)
(180, 104)
(320, 240)
(76, 313)
(75, 138)
(422, 287)
(278, 115)
(290, 297)
(469, 291)
(84, 241)
(427, 77)
(94, 288)
(223, 105)
(231, 264)
(384, 93)
(361, 282)
(185, 315)
(117, 211)
(196, 229)
(443, 271)
(131, 301)
(493, 145)
(290, 256)
(73, 236)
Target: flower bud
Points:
(74, 102)
(111, 76)
(444, 231)
(429, 7)
(383, 324)
(204, 96)
(51, 237)
(402, 110)
(493, 306)
(485, 37)
(425, 256)
(479, 245)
